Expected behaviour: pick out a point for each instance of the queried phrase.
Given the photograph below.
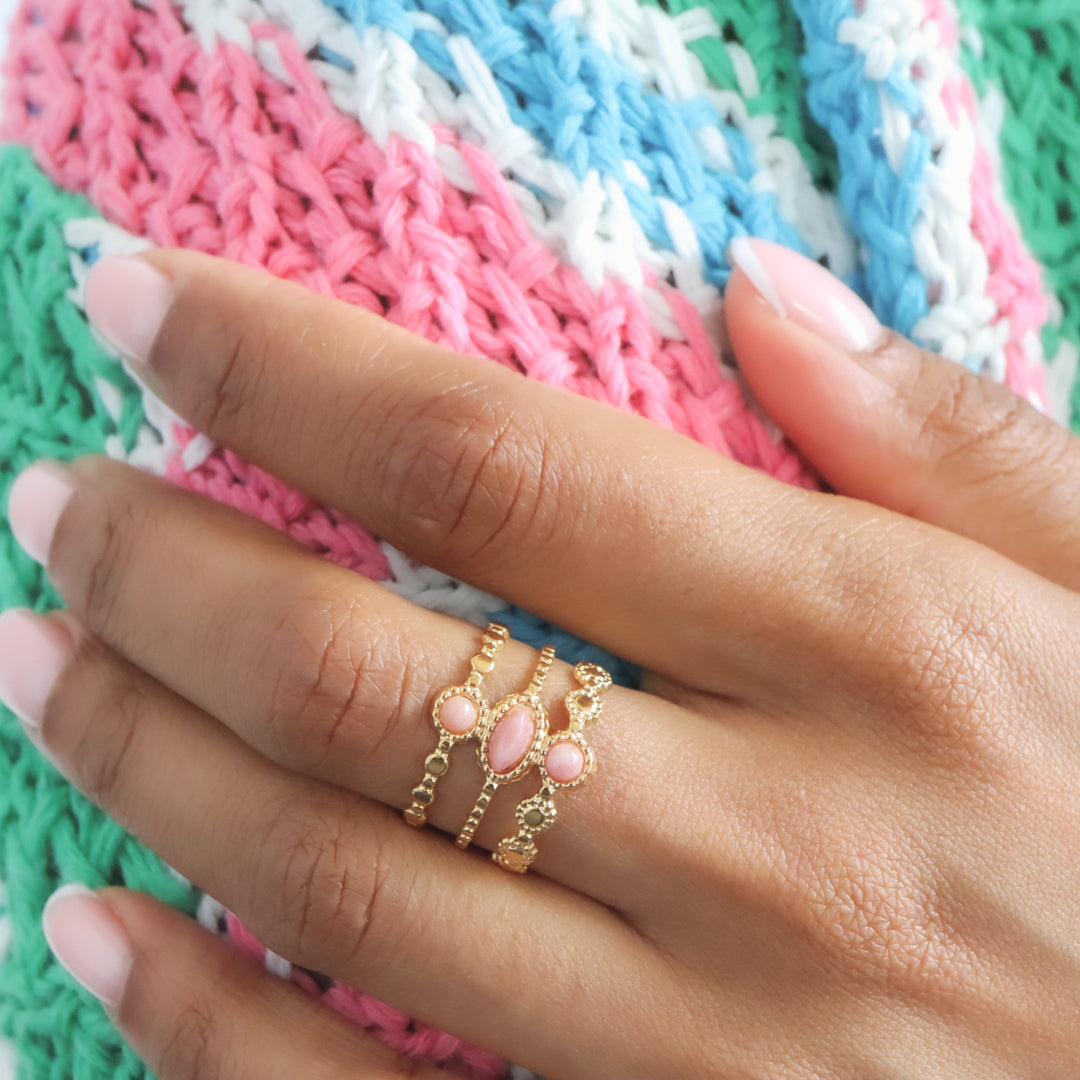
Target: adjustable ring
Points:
(566, 760)
(458, 713)
(516, 726)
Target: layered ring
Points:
(513, 736)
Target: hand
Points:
(837, 835)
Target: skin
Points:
(833, 838)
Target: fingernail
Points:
(801, 290)
(35, 503)
(33, 652)
(89, 940)
(126, 300)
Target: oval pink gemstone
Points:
(511, 739)
(564, 762)
(457, 714)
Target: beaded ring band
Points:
(515, 727)
(565, 759)
(458, 712)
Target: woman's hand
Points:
(838, 836)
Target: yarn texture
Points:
(549, 184)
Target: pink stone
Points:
(457, 714)
(564, 762)
(511, 739)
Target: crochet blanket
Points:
(550, 184)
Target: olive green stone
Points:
(533, 817)
(422, 795)
(436, 764)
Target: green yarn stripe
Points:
(772, 36)
(49, 832)
(1031, 51)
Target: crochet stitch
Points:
(551, 185)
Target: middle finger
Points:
(332, 675)
(532, 493)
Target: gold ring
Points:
(566, 760)
(458, 713)
(513, 735)
(515, 728)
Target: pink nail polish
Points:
(89, 940)
(35, 503)
(797, 288)
(33, 652)
(127, 299)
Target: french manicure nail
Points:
(33, 652)
(36, 501)
(801, 290)
(126, 299)
(89, 940)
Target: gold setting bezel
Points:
(473, 694)
(540, 733)
(579, 740)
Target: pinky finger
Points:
(189, 1004)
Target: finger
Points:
(887, 422)
(324, 878)
(191, 1005)
(330, 674)
(529, 492)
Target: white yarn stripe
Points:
(898, 41)
(437, 591)
(9, 1060)
(156, 444)
(652, 44)
(210, 912)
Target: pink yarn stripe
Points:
(1015, 282)
(390, 1024)
(271, 175)
(229, 479)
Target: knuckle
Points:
(340, 689)
(238, 379)
(110, 542)
(189, 1051)
(106, 709)
(470, 476)
(967, 418)
(952, 676)
(109, 765)
(851, 884)
(320, 889)
(243, 346)
(940, 653)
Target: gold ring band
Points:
(457, 712)
(566, 760)
(516, 725)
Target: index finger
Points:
(528, 491)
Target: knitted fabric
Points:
(550, 185)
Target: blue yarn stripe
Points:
(586, 108)
(537, 632)
(881, 204)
